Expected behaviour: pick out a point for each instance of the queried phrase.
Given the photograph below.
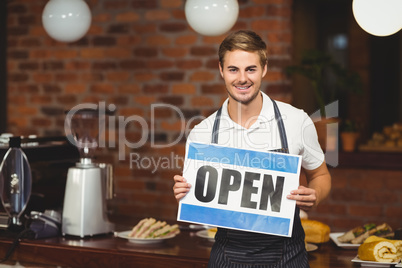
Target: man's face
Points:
(242, 73)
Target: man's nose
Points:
(242, 77)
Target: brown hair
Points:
(243, 40)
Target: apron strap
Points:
(215, 129)
(278, 118)
(281, 127)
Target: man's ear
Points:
(221, 69)
(264, 72)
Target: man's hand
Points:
(180, 187)
(305, 198)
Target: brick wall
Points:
(138, 53)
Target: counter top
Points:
(185, 250)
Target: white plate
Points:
(142, 240)
(398, 265)
(334, 237)
(372, 263)
(204, 234)
(311, 247)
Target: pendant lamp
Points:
(66, 20)
(211, 17)
(378, 17)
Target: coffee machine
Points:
(89, 184)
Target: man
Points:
(250, 119)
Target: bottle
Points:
(15, 181)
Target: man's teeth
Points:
(243, 87)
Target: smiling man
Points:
(249, 119)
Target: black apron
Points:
(241, 249)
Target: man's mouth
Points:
(243, 87)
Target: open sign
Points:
(240, 189)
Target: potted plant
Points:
(328, 80)
(349, 136)
(318, 67)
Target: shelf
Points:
(371, 160)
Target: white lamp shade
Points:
(211, 17)
(378, 17)
(66, 20)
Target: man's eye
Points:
(251, 70)
(232, 70)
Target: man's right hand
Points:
(180, 187)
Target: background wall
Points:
(138, 53)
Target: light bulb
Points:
(378, 17)
(211, 17)
(66, 20)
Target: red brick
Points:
(158, 40)
(171, 3)
(172, 76)
(129, 89)
(176, 126)
(158, 64)
(40, 99)
(113, 4)
(213, 89)
(155, 89)
(269, 25)
(144, 100)
(102, 88)
(145, 28)
(92, 53)
(75, 88)
(67, 99)
(126, 112)
(127, 40)
(173, 100)
(41, 78)
(186, 40)
(189, 64)
(179, 14)
(203, 51)
(202, 101)
(118, 76)
(128, 16)
(183, 89)
(251, 12)
(153, 15)
(145, 52)
(202, 76)
(66, 77)
(173, 27)
(77, 65)
(143, 77)
(175, 52)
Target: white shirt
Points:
(264, 134)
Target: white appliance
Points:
(89, 185)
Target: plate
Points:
(311, 247)
(142, 240)
(334, 237)
(398, 265)
(372, 263)
(204, 234)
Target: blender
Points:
(87, 185)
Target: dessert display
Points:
(360, 233)
(380, 249)
(390, 139)
(315, 231)
(151, 228)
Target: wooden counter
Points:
(184, 250)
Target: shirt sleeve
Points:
(312, 154)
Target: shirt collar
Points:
(266, 115)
